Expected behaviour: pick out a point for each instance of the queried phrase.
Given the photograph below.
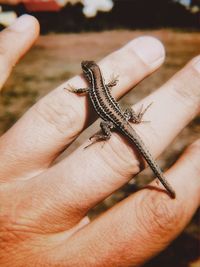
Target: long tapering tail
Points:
(135, 138)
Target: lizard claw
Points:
(70, 88)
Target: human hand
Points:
(43, 212)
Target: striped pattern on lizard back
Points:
(109, 110)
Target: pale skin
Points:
(43, 212)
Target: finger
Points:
(58, 118)
(14, 43)
(141, 226)
(88, 176)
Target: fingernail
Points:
(150, 50)
(21, 24)
(197, 64)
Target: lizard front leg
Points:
(134, 117)
(113, 82)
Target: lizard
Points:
(109, 110)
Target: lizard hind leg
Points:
(105, 133)
(134, 117)
(113, 82)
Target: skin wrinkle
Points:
(31, 252)
(10, 169)
(108, 168)
(161, 215)
(144, 219)
(164, 214)
(58, 118)
(53, 215)
(127, 160)
(93, 186)
(188, 97)
(113, 256)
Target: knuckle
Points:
(159, 215)
(185, 91)
(186, 83)
(124, 160)
(64, 116)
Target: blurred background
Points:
(74, 30)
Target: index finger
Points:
(14, 43)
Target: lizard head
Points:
(86, 65)
(88, 68)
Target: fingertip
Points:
(149, 49)
(35, 24)
(26, 23)
(15, 41)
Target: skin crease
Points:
(43, 215)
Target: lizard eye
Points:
(88, 77)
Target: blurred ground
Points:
(56, 57)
